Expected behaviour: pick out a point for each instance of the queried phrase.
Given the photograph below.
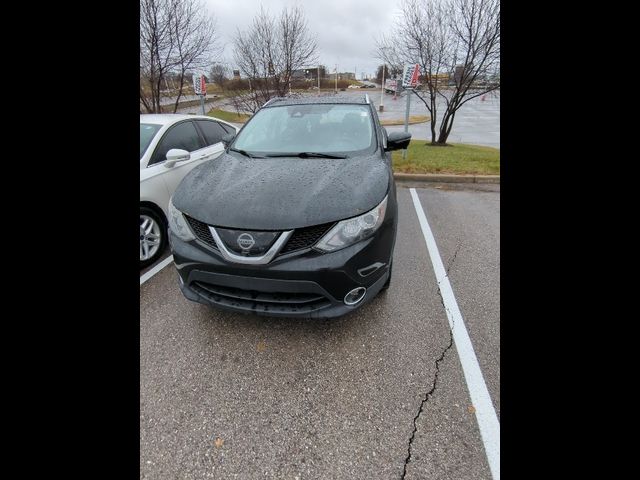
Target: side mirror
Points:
(176, 155)
(228, 138)
(398, 141)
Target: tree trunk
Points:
(452, 118)
(433, 112)
(445, 127)
(175, 107)
(434, 119)
(144, 100)
(156, 93)
(442, 137)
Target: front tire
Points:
(153, 236)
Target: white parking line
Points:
(480, 398)
(156, 269)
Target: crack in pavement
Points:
(424, 401)
(453, 259)
(438, 360)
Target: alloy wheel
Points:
(149, 237)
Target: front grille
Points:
(262, 302)
(301, 238)
(201, 230)
(306, 237)
(257, 243)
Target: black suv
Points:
(297, 218)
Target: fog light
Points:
(355, 296)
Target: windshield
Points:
(147, 132)
(341, 129)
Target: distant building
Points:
(343, 76)
(311, 73)
(236, 74)
(441, 78)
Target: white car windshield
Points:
(147, 132)
(343, 129)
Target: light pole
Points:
(382, 89)
(395, 91)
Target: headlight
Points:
(178, 224)
(348, 232)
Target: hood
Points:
(281, 193)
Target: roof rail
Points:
(272, 100)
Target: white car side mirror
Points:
(176, 155)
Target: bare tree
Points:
(219, 74)
(270, 51)
(457, 45)
(155, 50)
(390, 71)
(176, 37)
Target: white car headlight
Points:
(178, 224)
(348, 232)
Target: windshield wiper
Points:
(306, 155)
(243, 152)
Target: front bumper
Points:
(303, 284)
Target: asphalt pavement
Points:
(477, 122)
(226, 395)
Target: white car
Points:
(171, 146)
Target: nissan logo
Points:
(245, 241)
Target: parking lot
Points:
(477, 122)
(224, 395)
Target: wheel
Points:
(388, 282)
(153, 236)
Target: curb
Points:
(401, 124)
(444, 178)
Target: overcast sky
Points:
(344, 29)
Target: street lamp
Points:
(382, 89)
